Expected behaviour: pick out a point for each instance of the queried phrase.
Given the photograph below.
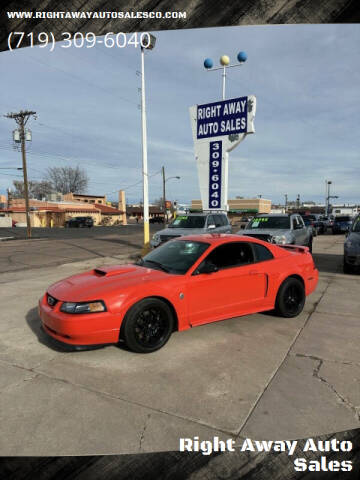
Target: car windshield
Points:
(356, 225)
(270, 222)
(176, 256)
(188, 221)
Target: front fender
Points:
(170, 293)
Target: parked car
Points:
(327, 222)
(279, 228)
(352, 248)
(342, 224)
(316, 223)
(192, 224)
(244, 221)
(156, 219)
(311, 223)
(184, 283)
(79, 222)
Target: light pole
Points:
(144, 149)
(328, 196)
(224, 61)
(286, 200)
(164, 191)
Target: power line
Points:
(21, 119)
(81, 79)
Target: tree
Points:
(36, 189)
(67, 179)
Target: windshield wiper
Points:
(158, 264)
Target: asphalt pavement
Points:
(257, 376)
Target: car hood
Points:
(263, 231)
(178, 232)
(103, 281)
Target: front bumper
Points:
(82, 330)
(67, 346)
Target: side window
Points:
(231, 255)
(301, 222)
(210, 220)
(224, 220)
(261, 253)
(218, 221)
(294, 222)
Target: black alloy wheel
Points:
(148, 325)
(290, 299)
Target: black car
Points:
(156, 219)
(79, 222)
(342, 224)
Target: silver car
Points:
(192, 224)
(279, 228)
(352, 247)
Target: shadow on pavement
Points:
(329, 263)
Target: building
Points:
(343, 209)
(79, 197)
(137, 212)
(3, 201)
(55, 214)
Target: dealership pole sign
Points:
(217, 129)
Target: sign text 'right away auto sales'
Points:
(222, 118)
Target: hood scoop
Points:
(112, 270)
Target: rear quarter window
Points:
(261, 253)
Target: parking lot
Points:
(257, 376)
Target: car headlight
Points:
(83, 307)
(156, 237)
(279, 239)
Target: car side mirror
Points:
(211, 227)
(207, 267)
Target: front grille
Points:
(51, 301)
(165, 238)
(265, 238)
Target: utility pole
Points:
(164, 194)
(286, 201)
(21, 119)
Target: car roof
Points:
(285, 215)
(202, 214)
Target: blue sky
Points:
(306, 79)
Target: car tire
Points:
(148, 325)
(290, 299)
(347, 268)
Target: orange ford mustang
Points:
(186, 282)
